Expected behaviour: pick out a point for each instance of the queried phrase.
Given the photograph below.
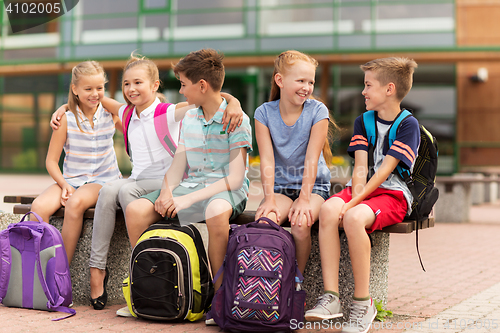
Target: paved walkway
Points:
(479, 313)
(459, 292)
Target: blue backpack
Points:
(421, 181)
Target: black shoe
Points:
(100, 302)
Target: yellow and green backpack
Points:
(169, 274)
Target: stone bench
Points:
(458, 193)
(119, 256)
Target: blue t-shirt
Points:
(290, 144)
(404, 148)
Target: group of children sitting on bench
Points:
(202, 170)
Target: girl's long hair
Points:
(84, 68)
(281, 65)
(151, 69)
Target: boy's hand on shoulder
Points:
(300, 209)
(266, 208)
(233, 114)
(233, 117)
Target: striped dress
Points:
(90, 155)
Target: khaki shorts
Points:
(196, 213)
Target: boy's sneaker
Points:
(362, 315)
(209, 321)
(124, 312)
(327, 307)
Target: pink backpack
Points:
(161, 127)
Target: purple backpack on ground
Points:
(34, 270)
(258, 288)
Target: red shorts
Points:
(389, 206)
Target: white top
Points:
(149, 157)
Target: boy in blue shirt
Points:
(366, 204)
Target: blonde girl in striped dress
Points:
(86, 135)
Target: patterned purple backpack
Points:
(34, 270)
(258, 288)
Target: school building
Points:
(455, 42)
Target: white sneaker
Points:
(362, 315)
(209, 321)
(124, 312)
(327, 307)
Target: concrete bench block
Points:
(478, 193)
(454, 201)
(477, 189)
(491, 189)
(491, 192)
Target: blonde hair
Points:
(282, 64)
(82, 69)
(396, 70)
(136, 60)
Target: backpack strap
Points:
(162, 130)
(369, 122)
(219, 272)
(393, 130)
(6, 256)
(401, 171)
(127, 115)
(369, 125)
(52, 304)
(34, 214)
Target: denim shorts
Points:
(98, 182)
(294, 193)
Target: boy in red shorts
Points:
(368, 204)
